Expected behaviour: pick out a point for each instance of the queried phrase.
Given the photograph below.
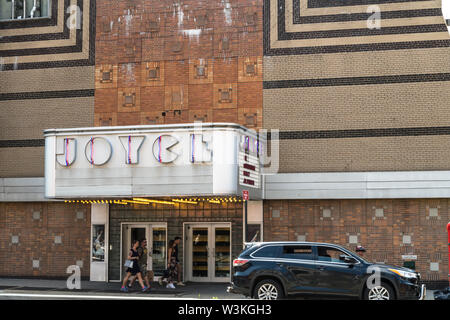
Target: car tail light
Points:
(239, 262)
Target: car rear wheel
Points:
(268, 289)
(382, 292)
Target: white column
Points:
(100, 216)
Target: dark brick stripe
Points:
(22, 143)
(47, 94)
(50, 64)
(298, 19)
(350, 81)
(37, 37)
(362, 32)
(364, 133)
(340, 3)
(355, 48)
(339, 48)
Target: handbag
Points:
(129, 263)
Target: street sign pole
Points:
(245, 198)
(245, 220)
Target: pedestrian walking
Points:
(143, 255)
(178, 264)
(133, 267)
(171, 271)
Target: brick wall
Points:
(178, 62)
(387, 229)
(35, 227)
(334, 87)
(175, 217)
(44, 84)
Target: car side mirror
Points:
(347, 259)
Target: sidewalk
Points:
(190, 291)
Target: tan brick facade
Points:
(365, 154)
(317, 88)
(43, 85)
(35, 227)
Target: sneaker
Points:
(179, 283)
(145, 288)
(124, 289)
(170, 286)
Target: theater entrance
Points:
(156, 235)
(207, 252)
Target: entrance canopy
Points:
(212, 159)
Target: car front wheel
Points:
(268, 289)
(382, 292)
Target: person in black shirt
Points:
(134, 269)
(177, 241)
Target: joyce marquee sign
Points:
(170, 160)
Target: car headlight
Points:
(404, 274)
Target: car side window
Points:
(329, 254)
(267, 252)
(297, 252)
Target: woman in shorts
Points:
(134, 270)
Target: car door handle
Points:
(280, 264)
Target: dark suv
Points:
(273, 270)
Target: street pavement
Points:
(25, 289)
(57, 289)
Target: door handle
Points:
(280, 264)
(321, 268)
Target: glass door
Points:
(208, 252)
(158, 249)
(222, 242)
(156, 235)
(200, 253)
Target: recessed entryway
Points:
(207, 252)
(156, 235)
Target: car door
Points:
(335, 276)
(298, 264)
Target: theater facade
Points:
(144, 118)
(158, 182)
